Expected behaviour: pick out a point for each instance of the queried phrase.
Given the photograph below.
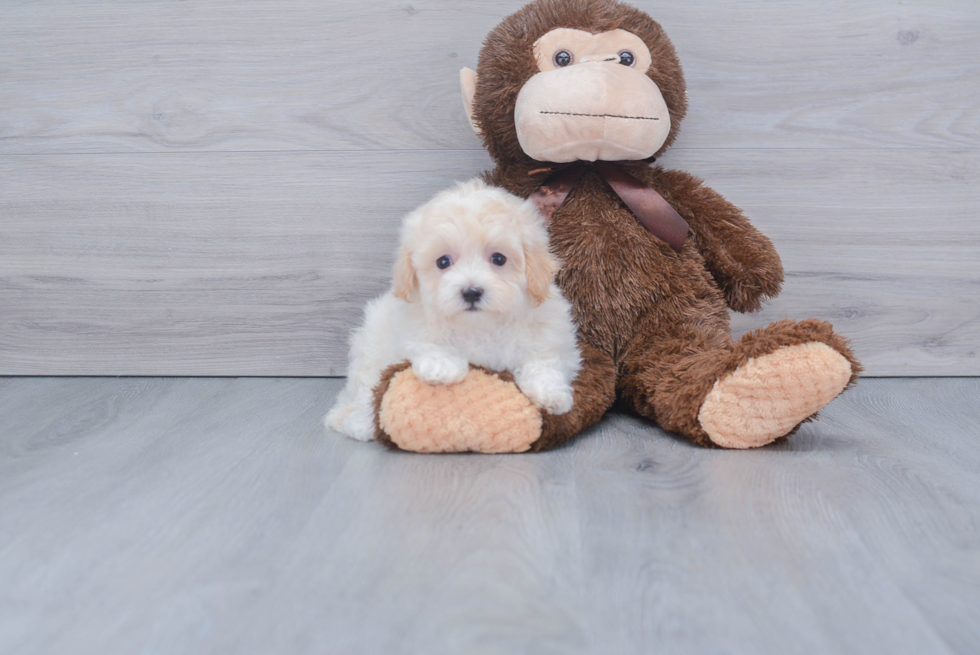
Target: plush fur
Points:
(654, 323)
(485, 413)
(491, 304)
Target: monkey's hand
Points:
(741, 259)
(747, 275)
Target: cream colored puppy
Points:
(472, 285)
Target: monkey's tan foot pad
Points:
(485, 413)
(768, 396)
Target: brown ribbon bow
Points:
(654, 212)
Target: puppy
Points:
(472, 285)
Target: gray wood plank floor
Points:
(218, 516)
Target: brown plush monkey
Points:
(653, 259)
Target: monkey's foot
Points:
(484, 413)
(769, 395)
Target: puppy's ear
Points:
(540, 267)
(405, 282)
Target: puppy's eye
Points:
(497, 259)
(563, 58)
(444, 262)
(626, 58)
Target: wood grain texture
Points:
(190, 264)
(259, 264)
(213, 188)
(218, 516)
(103, 76)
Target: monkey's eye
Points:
(444, 262)
(563, 58)
(626, 58)
(497, 259)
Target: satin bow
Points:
(654, 212)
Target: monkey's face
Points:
(591, 99)
(567, 80)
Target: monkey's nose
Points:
(472, 295)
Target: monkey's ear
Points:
(405, 282)
(467, 80)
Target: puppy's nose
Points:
(472, 295)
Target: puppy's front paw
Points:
(553, 397)
(440, 369)
(546, 387)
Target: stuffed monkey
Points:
(574, 99)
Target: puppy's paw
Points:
(555, 401)
(546, 387)
(440, 369)
(355, 420)
(552, 396)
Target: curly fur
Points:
(519, 322)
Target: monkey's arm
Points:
(742, 260)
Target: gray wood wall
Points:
(213, 187)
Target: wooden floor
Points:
(218, 516)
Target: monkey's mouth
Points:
(572, 113)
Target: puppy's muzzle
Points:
(472, 295)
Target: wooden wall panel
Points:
(213, 188)
(258, 264)
(163, 75)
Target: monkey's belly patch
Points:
(480, 414)
(768, 396)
